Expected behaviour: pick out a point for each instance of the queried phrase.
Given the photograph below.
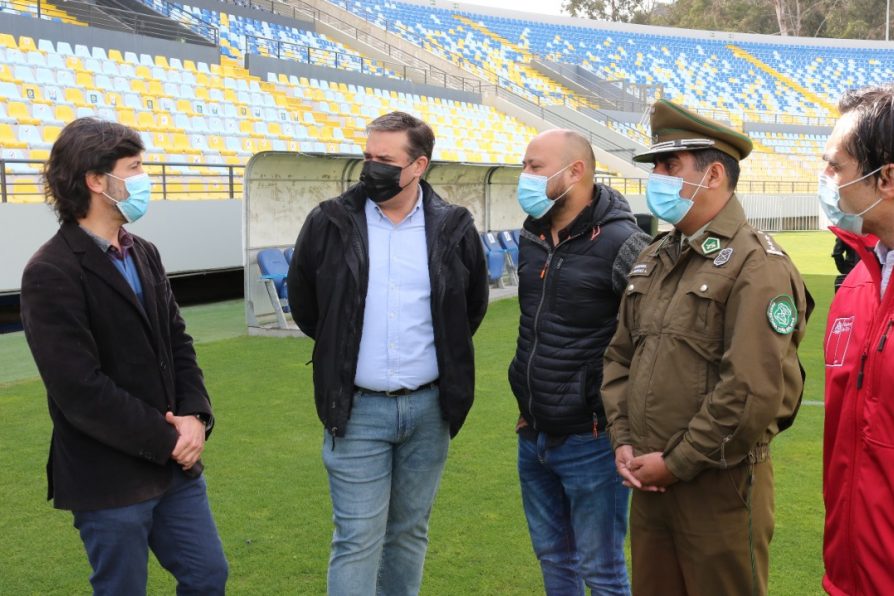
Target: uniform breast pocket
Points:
(705, 304)
(637, 287)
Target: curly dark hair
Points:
(84, 146)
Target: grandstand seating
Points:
(762, 78)
(200, 117)
(209, 115)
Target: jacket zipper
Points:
(723, 443)
(543, 274)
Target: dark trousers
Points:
(177, 526)
(705, 537)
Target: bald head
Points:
(568, 145)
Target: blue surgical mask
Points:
(532, 193)
(139, 188)
(664, 200)
(830, 200)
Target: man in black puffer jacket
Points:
(576, 249)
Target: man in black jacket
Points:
(390, 281)
(127, 398)
(576, 249)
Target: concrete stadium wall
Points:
(106, 39)
(190, 235)
(259, 66)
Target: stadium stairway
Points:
(823, 104)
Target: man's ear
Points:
(95, 182)
(422, 164)
(886, 182)
(716, 177)
(577, 170)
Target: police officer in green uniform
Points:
(703, 370)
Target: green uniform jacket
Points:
(704, 365)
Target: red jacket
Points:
(858, 449)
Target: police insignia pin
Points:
(782, 314)
(711, 244)
(723, 257)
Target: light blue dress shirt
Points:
(397, 347)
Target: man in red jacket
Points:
(856, 190)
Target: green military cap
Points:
(675, 128)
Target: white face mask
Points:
(830, 200)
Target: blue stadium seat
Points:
(507, 241)
(496, 262)
(274, 269)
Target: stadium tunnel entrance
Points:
(282, 188)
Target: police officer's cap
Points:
(675, 128)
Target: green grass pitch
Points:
(268, 487)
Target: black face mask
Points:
(381, 180)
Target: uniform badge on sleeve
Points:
(782, 314)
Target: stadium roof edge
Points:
(653, 30)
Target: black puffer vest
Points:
(569, 296)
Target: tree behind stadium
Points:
(853, 19)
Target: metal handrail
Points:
(637, 186)
(16, 183)
(285, 50)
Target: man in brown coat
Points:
(703, 370)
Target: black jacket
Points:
(328, 280)
(569, 297)
(112, 368)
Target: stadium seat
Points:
(496, 262)
(509, 244)
(274, 267)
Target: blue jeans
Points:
(576, 509)
(383, 476)
(177, 526)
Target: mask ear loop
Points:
(567, 190)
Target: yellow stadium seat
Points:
(20, 111)
(127, 117)
(184, 106)
(75, 96)
(161, 62)
(49, 134)
(84, 80)
(8, 138)
(64, 113)
(8, 41)
(26, 44)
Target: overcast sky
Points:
(541, 6)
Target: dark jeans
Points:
(576, 508)
(177, 526)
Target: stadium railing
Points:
(299, 10)
(637, 186)
(19, 180)
(285, 50)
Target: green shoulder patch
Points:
(782, 314)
